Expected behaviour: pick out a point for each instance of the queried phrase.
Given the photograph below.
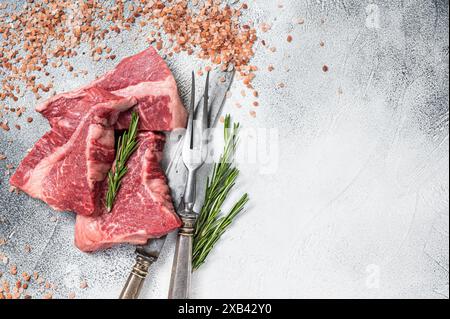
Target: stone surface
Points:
(352, 201)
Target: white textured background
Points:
(357, 205)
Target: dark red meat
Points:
(143, 208)
(67, 166)
(144, 76)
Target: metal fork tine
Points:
(192, 106)
(193, 158)
(205, 118)
(190, 129)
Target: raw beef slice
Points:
(143, 207)
(144, 76)
(67, 165)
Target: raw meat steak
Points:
(144, 76)
(67, 165)
(143, 208)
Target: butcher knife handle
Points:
(180, 281)
(135, 280)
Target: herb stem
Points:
(211, 224)
(126, 145)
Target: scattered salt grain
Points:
(13, 270)
(27, 248)
(83, 284)
(265, 27)
(26, 276)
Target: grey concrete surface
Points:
(352, 201)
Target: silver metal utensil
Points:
(194, 155)
(147, 254)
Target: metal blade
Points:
(218, 96)
(152, 249)
(221, 84)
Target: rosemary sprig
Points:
(126, 145)
(211, 224)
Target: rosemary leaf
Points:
(126, 145)
(211, 224)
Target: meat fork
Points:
(194, 154)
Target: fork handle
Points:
(180, 281)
